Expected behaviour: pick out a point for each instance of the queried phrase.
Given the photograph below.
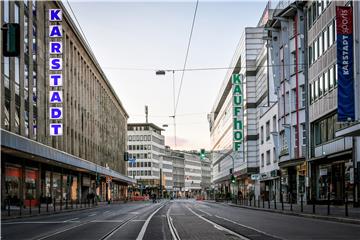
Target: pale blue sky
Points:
(154, 35)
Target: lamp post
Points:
(163, 72)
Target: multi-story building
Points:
(332, 142)
(36, 165)
(167, 170)
(192, 174)
(205, 177)
(286, 34)
(178, 162)
(244, 162)
(146, 149)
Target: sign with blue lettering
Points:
(56, 129)
(345, 64)
(55, 47)
(56, 80)
(55, 64)
(55, 68)
(56, 113)
(55, 15)
(55, 97)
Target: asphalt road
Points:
(178, 219)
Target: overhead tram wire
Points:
(186, 57)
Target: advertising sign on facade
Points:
(237, 96)
(55, 72)
(345, 63)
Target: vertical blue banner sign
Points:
(345, 63)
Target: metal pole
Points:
(8, 201)
(30, 206)
(54, 204)
(328, 202)
(47, 204)
(346, 205)
(39, 205)
(313, 205)
(301, 202)
(291, 207)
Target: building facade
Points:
(88, 157)
(192, 174)
(146, 149)
(332, 150)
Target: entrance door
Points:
(337, 183)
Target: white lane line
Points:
(61, 231)
(217, 226)
(144, 227)
(92, 214)
(71, 220)
(107, 221)
(138, 220)
(204, 212)
(35, 222)
(174, 232)
(106, 211)
(245, 226)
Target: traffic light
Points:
(233, 179)
(126, 156)
(11, 39)
(202, 154)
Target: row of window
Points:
(139, 147)
(268, 158)
(140, 155)
(325, 83)
(324, 129)
(140, 164)
(140, 173)
(323, 42)
(267, 127)
(139, 137)
(315, 10)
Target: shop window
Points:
(31, 182)
(12, 184)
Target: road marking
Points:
(254, 229)
(106, 211)
(217, 226)
(35, 222)
(92, 214)
(174, 232)
(204, 212)
(61, 231)
(71, 220)
(134, 213)
(138, 220)
(143, 229)
(113, 231)
(107, 221)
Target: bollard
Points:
(269, 202)
(328, 202)
(60, 204)
(250, 201)
(346, 205)
(258, 201)
(20, 211)
(282, 201)
(47, 204)
(291, 202)
(30, 206)
(66, 203)
(263, 201)
(8, 201)
(39, 206)
(301, 202)
(275, 202)
(54, 204)
(313, 210)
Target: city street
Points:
(178, 219)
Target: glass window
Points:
(321, 86)
(303, 95)
(316, 88)
(312, 93)
(17, 119)
(12, 184)
(16, 13)
(274, 124)
(7, 114)
(316, 49)
(326, 81)
(262, 134)
(267, 130)
(6, 11)
(303, 130)
(310, 54)
(331, 33)
(26, 34)
(320, 45)
(26, 123)
(274, 155)
(268, 157)
(331, 77)
(34, 42)
(262, 160)
(31, 181)
(336, 74)
(326, 39)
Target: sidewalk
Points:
(16, 212)
(336, 213)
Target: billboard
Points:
(237, 95)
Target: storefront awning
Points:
(36, 149)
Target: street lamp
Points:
(232, 170)
(163, 72)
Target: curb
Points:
(314, 216)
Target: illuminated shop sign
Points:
(237, 99)
(55, 72)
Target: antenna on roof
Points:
(146, 113)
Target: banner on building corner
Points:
(345, 63)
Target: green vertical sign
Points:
(237, 96)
